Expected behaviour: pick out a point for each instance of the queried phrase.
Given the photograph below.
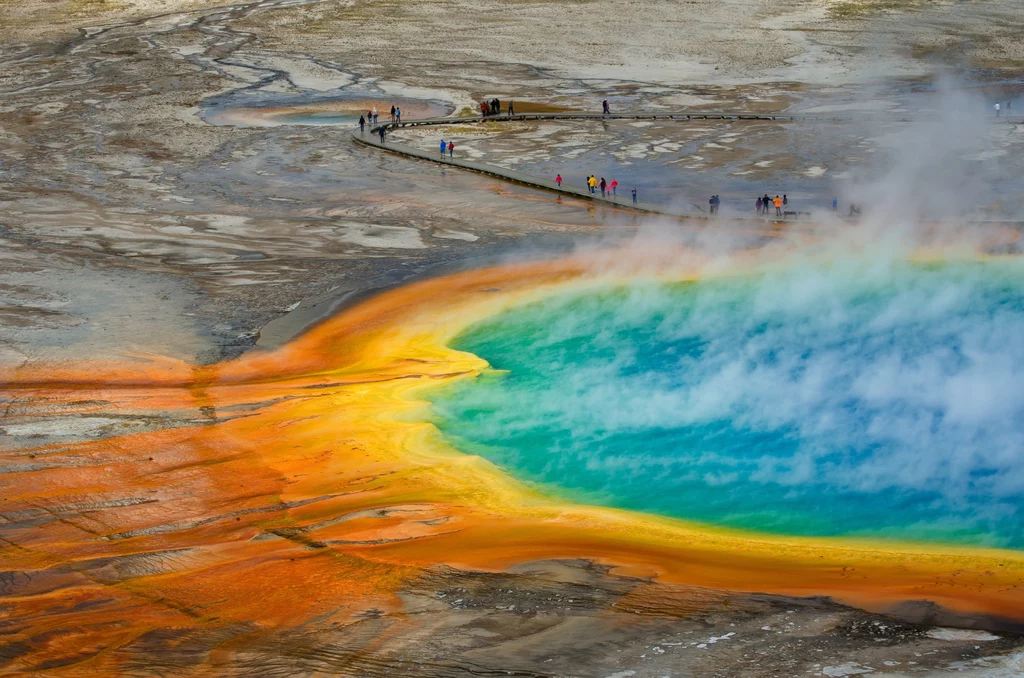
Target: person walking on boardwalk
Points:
(444, 147)
(785, 200)
(392, 112)
(558, 180)
(778, 206)
(398, 115)
(758, 205)
(634, 195)
(835, 204)
(382, 130)
(362, 124)
(483, 108)
(374, 112)
(767, 204)
(451, 150)
(997, 109)
(615, 186)
(592, 182)
(604, 186)
(511, 109)
(605, 110)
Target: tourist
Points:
(605, 110)
(375, 114)
(558, 180)
(711, 205)
(451, 150)
(767, 204)
(785, 200)
(362, 124)
(511, 109)
(398, 115)
(592, 182)
(835, 204)
(615, 186)
(997, 109)
(382, 130)
(444, 147)
(759, 205)
(496, 106)
(634, 195)
(603, 186)
(392, 112)
(778, 206)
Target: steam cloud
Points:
(838, 390)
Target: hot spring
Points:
(862, 399)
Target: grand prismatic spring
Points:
(758, 490)
(283, 396)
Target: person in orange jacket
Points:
(778, 206)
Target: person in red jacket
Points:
(614, 185)
(558, 180)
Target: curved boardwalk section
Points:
(371, 137)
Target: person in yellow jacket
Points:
(592, 182)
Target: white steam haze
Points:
(833, 366)
(950, 162)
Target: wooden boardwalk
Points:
(371, 137)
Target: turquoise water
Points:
(857, 399)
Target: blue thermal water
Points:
(858, 399)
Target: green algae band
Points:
(861, 399)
